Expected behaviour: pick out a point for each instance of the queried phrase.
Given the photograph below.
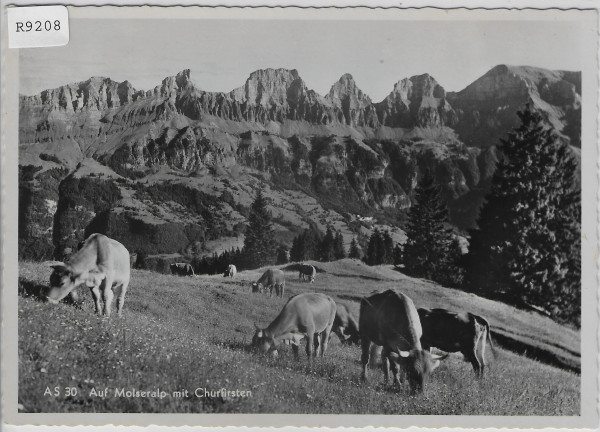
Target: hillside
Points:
(189, 332)
(183, 164)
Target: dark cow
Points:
(345, 325)
(182, 269)
(272, 279)
(390, 319)
(456, 332)
(307, 315)
(307, 272)
(102, 264)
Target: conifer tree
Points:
(338, 247)
(354, 251)
(282, 255)
(259, 244)
(326, 247)
(527, 244)
(428, 240)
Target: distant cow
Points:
(182, 269)
(307, 272)
(102, 264)
(272, 279)
(307, 315)
(231, 271)
(456, 332)
(390, 319)
(345, 325)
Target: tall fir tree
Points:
(427, 247)
(354, 251)
(528, 240)
(338, 247)
(259, 244)
(305, 246)
(326, 247)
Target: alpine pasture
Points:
(183, 333)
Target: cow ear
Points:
(439, 357)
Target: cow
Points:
(182, 269)
(390, 319)
(231, 271)
(307, 272)
(102, 264)
(345, 325)
(307, 316)
(271, 279)
(456, 332)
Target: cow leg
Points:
(296, 350)
(325, 340)
(310, 340)
(318, 344)
(96, 296)
(107, 294)
(385, 365)
(366, 353)
(121, 298)
(471, 356)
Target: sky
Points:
(222, 53)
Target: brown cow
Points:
(306, 315)
(390, 319)
(102, 264)
(271, 279)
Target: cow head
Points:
(418, 365)
(63, 280)
(263, 342)
(257, 287)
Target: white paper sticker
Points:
(37, 26)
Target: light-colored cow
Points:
(307, 316)
(182, 269)
(102, 264)
(307, 272)
(231, 271)
(272, 279)
(456, 332)
(390, 319)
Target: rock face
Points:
(416, 102)
(182, 164)
(487, 108)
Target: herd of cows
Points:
(388, 321)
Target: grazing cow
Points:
(231, 271)
(307, 272)
(456, 332)
(271, 279)
(390, 319)
(306, 315)
(345, 325)
(182, 269)
(102, 264)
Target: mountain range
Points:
(174, 169)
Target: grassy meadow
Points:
(184, 333)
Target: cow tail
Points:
(485, 323)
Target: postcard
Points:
(228, 216)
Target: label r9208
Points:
(38, 26)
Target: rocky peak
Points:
(416, 101)
(356, 107)
(266, 87)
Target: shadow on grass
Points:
(39, 292)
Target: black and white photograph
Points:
(366, 212)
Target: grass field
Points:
(193, 332)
